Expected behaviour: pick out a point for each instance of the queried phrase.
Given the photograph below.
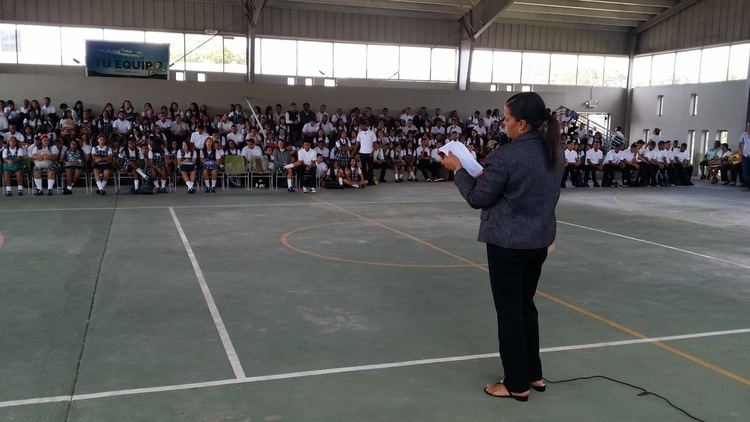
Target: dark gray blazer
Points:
(517, 193)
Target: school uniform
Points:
(189, 160)
(595, 158)
(306, 176)
(15, 155)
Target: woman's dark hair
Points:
(529, 106)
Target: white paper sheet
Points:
(462, 153)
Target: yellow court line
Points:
(285, 241)
(609, 322)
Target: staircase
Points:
(583, 117)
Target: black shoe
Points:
(20, 193)
(103, 192)
(8, 193)
(49, 192)
(213, 190)
(703, 177)
(207, 190)
(191, 190)
(290, 189)
(38, 192)
(67, 191)
(98, 191)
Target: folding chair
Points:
(234, 166)
(263, 173)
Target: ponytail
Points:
(550, 130)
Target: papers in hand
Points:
(462, 153)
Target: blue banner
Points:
(127, 59)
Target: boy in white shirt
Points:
(305, 167)
(572, 165)
(594, 159)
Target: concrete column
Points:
(466, 47)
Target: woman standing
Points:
(518, 193)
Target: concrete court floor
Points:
(287, 276)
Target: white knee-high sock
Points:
(99, 184)
(50, 183)
(141, 172)
(136, 184)
(213, 183)
(207, 183)
(289, 182)
(38, 183)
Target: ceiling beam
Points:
(540, 18)
(655, 3)
(481, 16)
(357, 6)
(579, 13)
(684, 4)
(588, 5)
(567, 24)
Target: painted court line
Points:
(347, 369)
(614, 324)
(264, 204)
(661, 245)
(234, 360)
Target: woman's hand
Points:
(451, 162)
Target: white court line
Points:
(279, 204)
(248, 380)
(661, 245)
(234, 360)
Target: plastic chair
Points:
(234, 166)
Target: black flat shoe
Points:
(542, 388)
(509, 396)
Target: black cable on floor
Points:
(643, 391)
(91, 311)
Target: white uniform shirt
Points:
(612, 157)
(594, 156)
(307, 157)
(571, 156)
(366, 139)
(250, 153)
(122, 126)
(745, 141)
(13, 152)
(199, 139)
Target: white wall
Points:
(68, 84)
(721, 106)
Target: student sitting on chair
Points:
(157, 164)
(130, 159)
(13, 156)
(101, 156)
(187, 159)
(305, 167)
(75, 163)
(594, 159)
(44, 157)
(211, 157)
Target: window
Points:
(414, 63)
(526, 88)
(382, 61)
(509, 88)
(201, 77)
(256, 56)
(73, 44)
(291, 80)
(591, 70)
(308, 81)
(506, 67)
(349, 60)
(714, 64)
(739, 60)
(7, 43)
(662, 69)
(687, 67)
(179, 76)
(641, 71)
(691, 146)
(693, 104)
(278, 57)
(535, 69)
(38, 44)
(123, 35)
(235, 54)
(481, 66)
(443, 64)
(329, 83)
(204, 53)
(704, 141)
(616, 71)
(563, 69)
(493, 87)
(659, 105)
(314, 58)
(722, 136)
(176, 47)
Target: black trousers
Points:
(383, 167)
(590, 171)
(366, 162)
(306, 177)
(514, 274)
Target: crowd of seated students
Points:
(312, 148)
(654, 163)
